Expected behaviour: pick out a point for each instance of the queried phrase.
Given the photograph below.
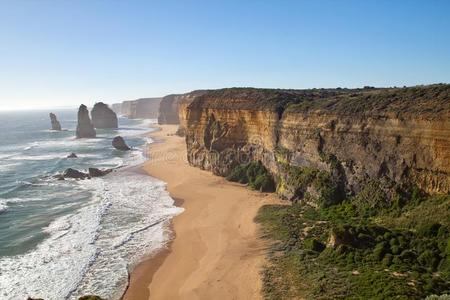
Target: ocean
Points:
(64, 239)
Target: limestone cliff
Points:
(168, 110)
(103, 116)
(326, 143)
(144, 108)
(85, 129)
(173, 108)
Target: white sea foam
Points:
(92, 250)
(3, 206)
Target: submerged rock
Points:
(119, 143)
(94, 172)
(72, 155)
(103, 116)
(85, 129)
(55, 123)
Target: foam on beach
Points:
(109, 224)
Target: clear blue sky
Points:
(58, 53)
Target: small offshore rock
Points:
(55, 123)
(72, 155)
(119, 143)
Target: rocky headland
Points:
(103, 117)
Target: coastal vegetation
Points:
(255, 175)
(359, 250)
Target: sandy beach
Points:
(216, 252)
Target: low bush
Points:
(255, 174)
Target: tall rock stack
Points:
(85, 128)
(103, 116)
(55, 123)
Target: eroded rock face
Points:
(103, 117)
(85, 128)
(314, 138)
(119, 143)
(55, 123)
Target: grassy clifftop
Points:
(428, 101)
(425, 101)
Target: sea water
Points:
(64, 239)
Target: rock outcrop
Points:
(323, 144)
(55, 123)
(72, 155)
(104, 117)
(94, 172)
(119, 143)
(75, 174)
(85, 128)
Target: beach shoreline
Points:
(216, 250)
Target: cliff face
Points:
(168, 110)
(326, 143)
(173, 108)
(103, 116)
(85, 129)
(144, 108)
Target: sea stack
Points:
(103, 116)
(85, 129)
(119, 143)
(55, 123)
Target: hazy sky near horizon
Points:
(63, 53)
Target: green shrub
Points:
(238, 174)
(380, 250)
(429, 229)
(263, 183)
(255, 174)
(428, 259)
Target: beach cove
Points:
(217, 251)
